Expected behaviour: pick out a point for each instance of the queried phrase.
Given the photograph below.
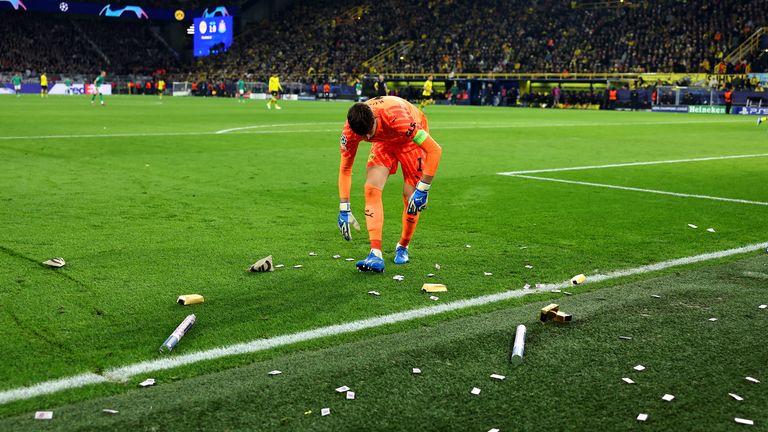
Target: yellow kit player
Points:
(426, 93)
(274, 88)
(43, 85)
(161, 88)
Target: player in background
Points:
(97, 87)
(358, 89)
(380, 86)
(761, 119)
(43, 85)
(161, 88)
(241, 90)
(426, 93)
(16, 80)
(68, 86)
(399, 134)
(274, 88)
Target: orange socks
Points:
(409, 224)
(374, 215)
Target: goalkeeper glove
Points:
(418, 200)
(345, 219)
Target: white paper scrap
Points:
(655, 296)
(497, 377)
(711, 229)
(540, 286)
(625, 337)
(147, 382)
(349, 259)
(628, 380)
(754, 380)
(342, 389)
(434, 298)
(43, 415)
(415, 371)
(312, 254)
(350, 395)
(527, 286)
(398, 278)
(374, 293)
(763, 306)
(280, 266)
(556, 291)
(668, 397)
(475, 391)
(467, 246)
(639, 368)
(110, 411)
(437, 266)
(744, 421)
(493, 430)
(430, 274)
(336, 256)
(325, 412)
(642, 417)
(274, 372)
(713, 319)
(735, 396)
(567, 293)
(693, 226)
(298, 266)
(528, 266)
(487, 274)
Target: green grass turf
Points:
(179, 210)
(570, 378)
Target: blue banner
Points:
(107, 9)
(758, 111)
(670, 108)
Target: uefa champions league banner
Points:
(114, 9)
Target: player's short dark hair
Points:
(360, 118)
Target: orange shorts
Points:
(411, 160)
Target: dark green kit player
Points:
(68, 85)
(241, 90)
(97, 87)
(16, 80)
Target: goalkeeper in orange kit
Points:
(399, 134)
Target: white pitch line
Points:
(653, 191)
(223, 131)
(673, 161)
(126, 372)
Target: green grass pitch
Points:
(146, 201)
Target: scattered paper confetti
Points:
(528, 266)
(280, 266)
(349, 259)
(655, 296)
(556, 291)
(274, 372)
(493, 430)
(374, 293)
(628, 380)
(639, 368)
(308, 412)
(668, 397)
(497, 377)
(523, 247)
(336, 256)
(434, 298)
(754, 380)
(430, 275)
(713, 319)
(735, 396)
(55, 263)
(763, 306)
(527, 286)
(429, 287)
(342, 389)
(711, 230)
(415, 371)
(475, 391)
(567, 293)
(625, 337)
(642, 417)
(110, 411)
(312, 254)
(147, 382)
(744, 421)
(298, 266)
(325, 412)
(43, 415)
(693, 226)
(540, 286)
(437, 266)
(487, 274)
(467, 246)
(399, 278)
(350, 395)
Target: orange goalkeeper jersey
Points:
(398, 124)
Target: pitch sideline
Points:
(126, 372)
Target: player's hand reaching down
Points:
(418, 200)
(346, 218)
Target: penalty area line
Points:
(126, 372)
